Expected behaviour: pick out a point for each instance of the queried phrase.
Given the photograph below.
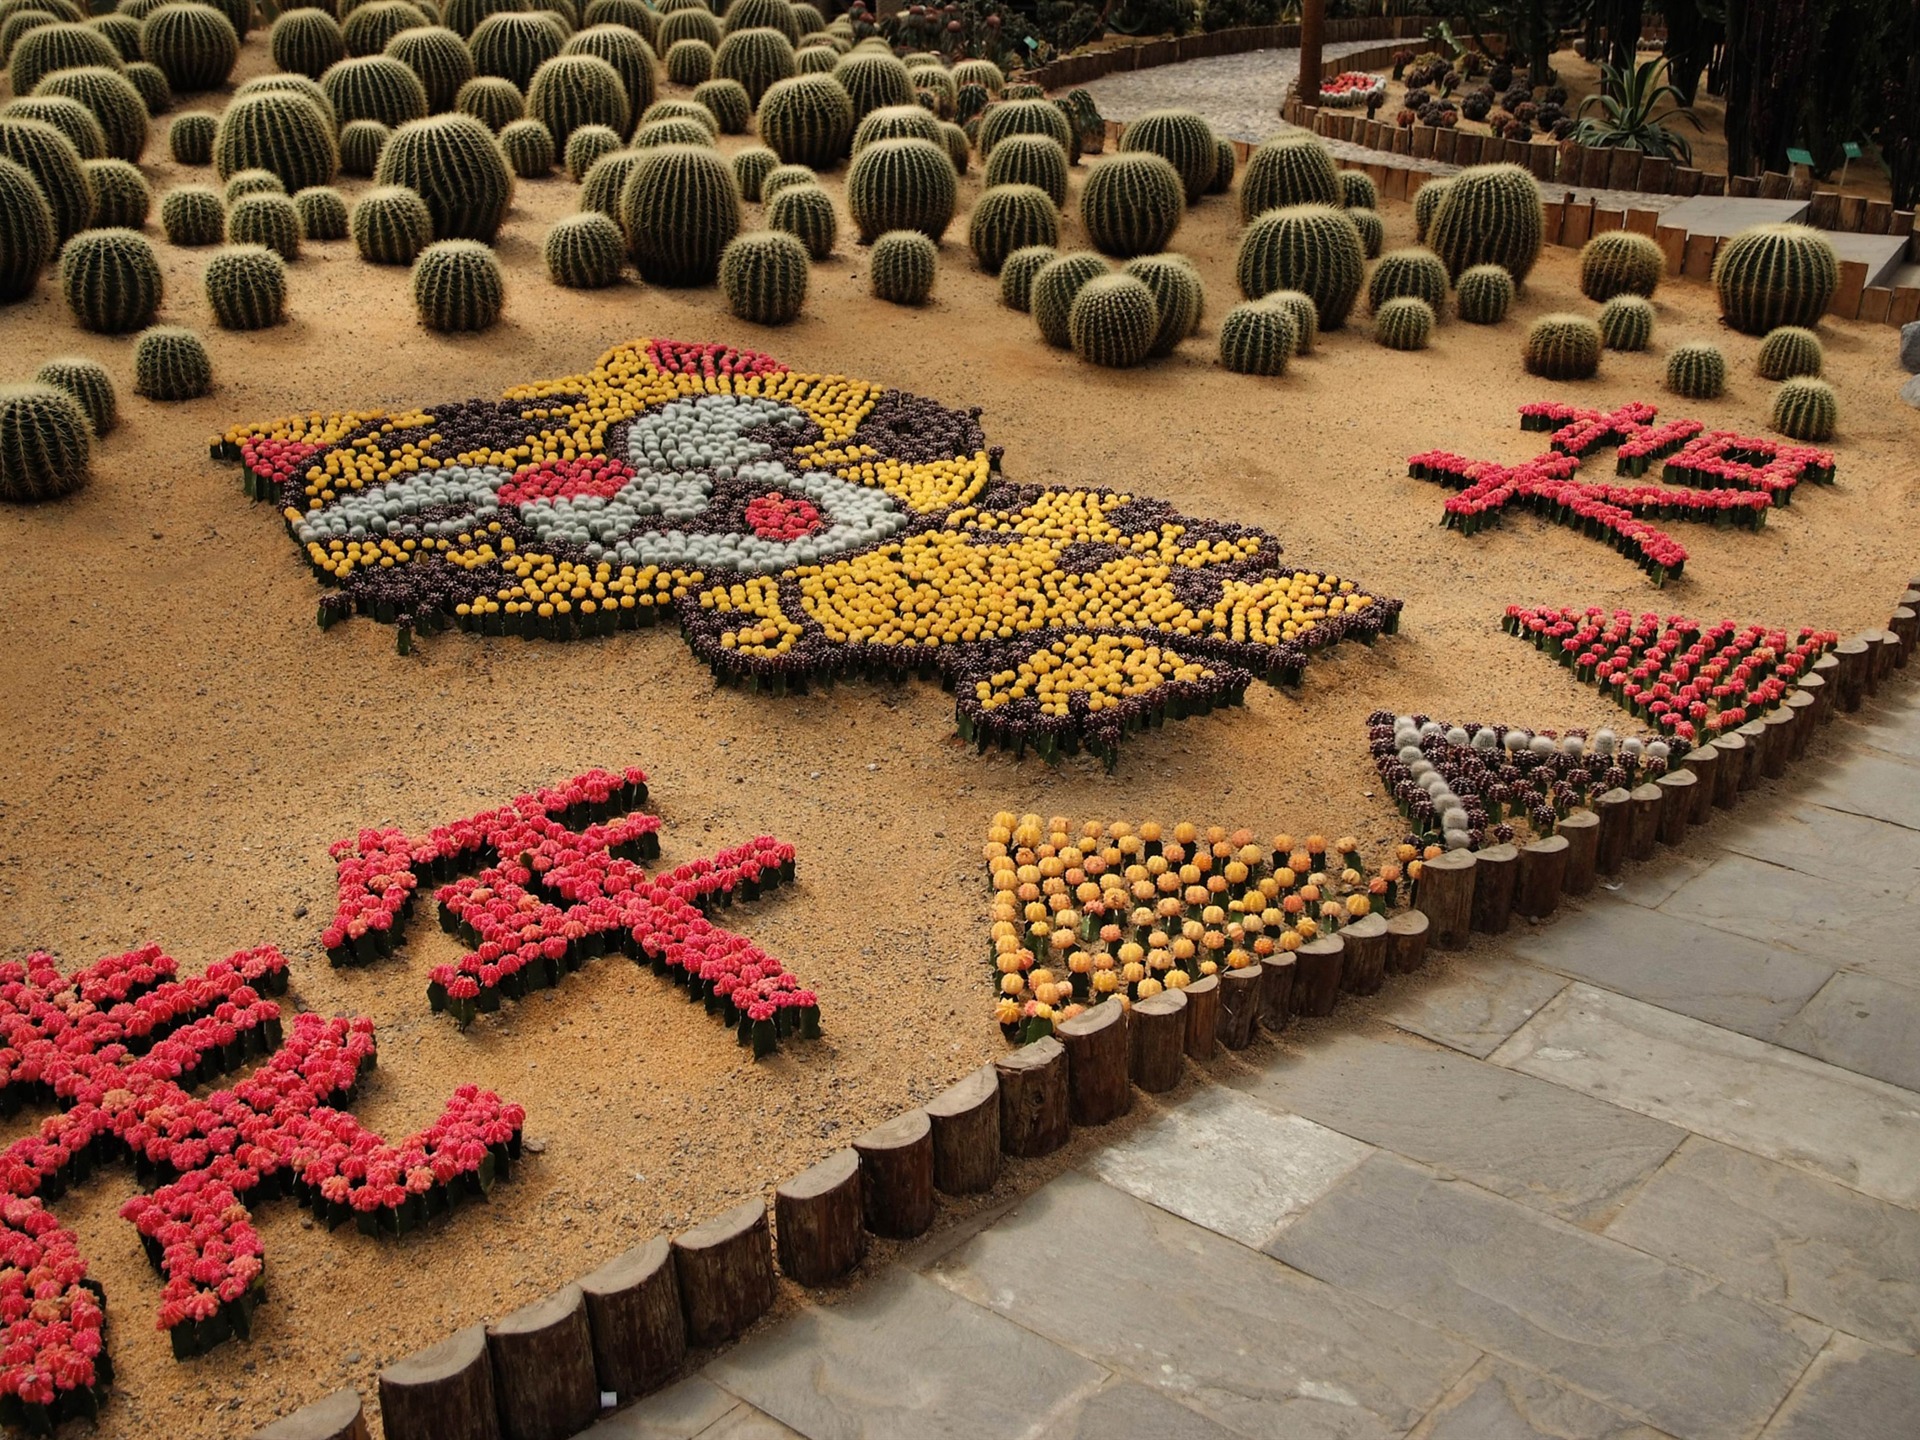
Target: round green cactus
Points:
(253, 182)
(586, 145)
(323, 213)
(1483, 294)
(1179, 296)
(764, 275)
(781, 176)
(1626, 323)
(47, 48)
(112, 99)
(1806, 409)
(983, 73)
(193, 215)
(15, 23)
(1790, 350)
(494, 102)
(679, 208)
(1773, 275)
(751, 167)
(452, 163)
(675, 131)
(806, 213)
(1022, 117)
(585, 251)
(265, 219)
(512, 47)
(26, 231)
(1358, 192)
(1025, 90)
(1313, 248)
(930, 76)
(1403, 323)
(278, 132)
(121, 195)
(728, 102)
(1051, 293)
(896, 122)
(1415, 271)
(45, 447)
(605, 179)
(1028, 160)
(1017, 272)
(170, 364)
(361, 142)
(901, 185)
(691, 23)
(69, 117)
(1562, 347)
(463, 17)
(1697, 371)
(1224, 165)
(1620, 262)
(310, 90)
(1304, 315)
(391, 225)
(759, 14)
(194, 45)
(120, 31)
(1113, 321)
(969, 103)
(1131, 204)
(634, 15)
(1181, 137)
(247, 288)
(151, 81)
(632, 60)
(808, 18)
(902, 267)
(111, 280)
(307, 41)
(438, 56)
(1010, 218)
(369, 26)
(49, 157)
(756, 59)
(682, 110)
(815, 60)
(1291, 169)
(1489, 215)
(1373, 233)
(91, 387)
(457, 285)
(528, 146)
(873, 79)
(1257, 338)
(690, 62)
(375, 87)
(807, 120)
(959, 148)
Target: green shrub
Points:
(111, 280)
(457, 285)
(764, 275)
(45, 448)
(585, 251)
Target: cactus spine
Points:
(1415, 271)
(457, 286)
(679, 208)
(1620, 262)
(1484, 294)
(1113, 321)
(1051, 293)
(1312, 248)
(1489, 215)
(727, 101)
(1697, 371)
(513, 46)
(1626, 323)
(1181, 137)
(278, 132)
(1009, 218)
(44, 445)
(1029, 160)
(193, 215)
(391, 225)
(1016, 275)
(452, 163)
(1132, 204)
(901, 185)
(247, 287)
(121, 195)
(806, 213)
(632, 60)
(1257, 338)
(26, 232)
(49, 157)
(1772, 275)
(375, 87)
(1179, 297)
(113, 101)
(807, 120)
(585, 251)
(764, 276)
(1806, 409)
(1291, 169)
(438, 56)
(903, 265)
(194, 45)
(91, 387)
(1790, 350)
(111, 280)
(751, 167)
(1563, 347)
(1403, 323)
(755, 59)
(306, 42)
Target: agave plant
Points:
(1629, 102)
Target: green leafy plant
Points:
(1630, 115)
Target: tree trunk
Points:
(1157, 1035)
(1097, 1085)
(1313, 31)
(726, 1273)
(1033, 1098)
(337, 1417)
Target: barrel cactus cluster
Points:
(1315, 249)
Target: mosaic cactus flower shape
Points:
(800, 528)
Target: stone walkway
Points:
(1652, 1169)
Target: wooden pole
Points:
(896, 1170)
(1582, 832)
(1805, 709)
(1316, 975)
(725, 1268)
(444, 1392)
(1754, 732)
(966, 1134)
(1157, 1035)
(1097, 1086)
(1612, 810)
(1365, 965)
(817, 1221)
(633, 1309)
(337, 1417)
(1203, 1017)
(1033, 1098)
(1445, 893)
(1407, 942)
(1313, 32)
(1543, 874)
(1704, 762)
(1494, 876)
(1733, 763)
(543, 1373)
(1240, 1004)
(1643, 821)
(1677, 809)
(1780, 723)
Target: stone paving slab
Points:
(1484, 1000)
(1267, 1352)
(1125, 1411)
(1871, 783)
(1546, 1146)
(1230, 1164)
(1777, 1234)
(905, 1356)
(1730, 214)
(1239, 94)
(680, 1412)
(1828, 844)
(1679, 964)
(1881, 254)
(1785, 1106)
(1779, 906)
(1499, 1401)
(1617, 1324)
(1853, 1392)
(743, 1422)
(1865, 1024)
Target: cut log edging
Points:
(629, 1323)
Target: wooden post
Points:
(337, 1417)
(1677, 809)
(1494, 875)
(966, 1134)
(816, 1216)
(1755, 734)
(1445, 893)
(633, 1310)
(1905, 625)
(1033, 1098)
(444, 1392)
(1279, 998)
(1800, 704)
(1406, 942)
(1852, 654)
(1316, 975)
(725, 1269)
(1612, 851)
(1704, 762)
(543, 1372)
(1543, 873)
(1886, 654)
(1363, 969)
(1643, 821)
(1582, 832)
(1157, 1033)
(896, 1175)
(1313, 31)
(1780, 723)
(1096, 1041)
(1203, 1017)
(1733, 762)
(1826, 670)
(1239, 1005)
